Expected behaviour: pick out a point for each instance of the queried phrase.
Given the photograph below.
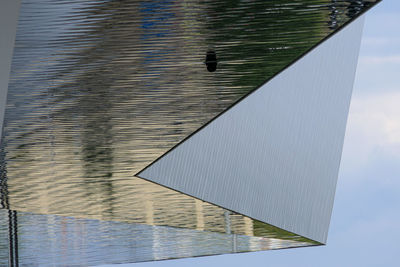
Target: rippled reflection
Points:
(50, 240)
(100, 89)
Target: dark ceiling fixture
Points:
(211, 61)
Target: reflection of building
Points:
(99, 90)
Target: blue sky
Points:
(365, 226)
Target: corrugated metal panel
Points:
(275, 155)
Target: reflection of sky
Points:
(365, 226)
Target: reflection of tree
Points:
(333, 16)
(259, 38)
(357, 6)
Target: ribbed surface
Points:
(275, 155)
(9, 10)
(113, 85)
(49, 240)
(100, 89)
(4, 242)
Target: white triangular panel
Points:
(275, 155)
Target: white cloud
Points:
(375, 41)
(395, 59)
(373, 127)
(377, 116)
